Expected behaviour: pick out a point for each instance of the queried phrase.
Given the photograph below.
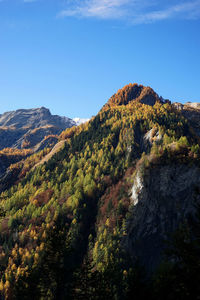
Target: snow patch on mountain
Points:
(79, 121)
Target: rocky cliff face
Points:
(162, 197)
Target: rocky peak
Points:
(33, 118)
(25, 128)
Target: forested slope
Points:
(70, 228)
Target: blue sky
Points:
(72, 55)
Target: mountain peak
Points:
(133, 92)
(26, 128)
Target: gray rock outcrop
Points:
(162, 198)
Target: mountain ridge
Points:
(27, 128)
(33, 118)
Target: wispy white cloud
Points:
(186, 10)
(97, 8)
(134, 11)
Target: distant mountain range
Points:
(33, 128)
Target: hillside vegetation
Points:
(66, 225)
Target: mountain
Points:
(92, 217)
(26, 128)
(133, 92)
(33, 118)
